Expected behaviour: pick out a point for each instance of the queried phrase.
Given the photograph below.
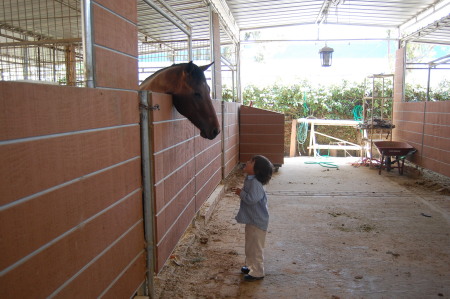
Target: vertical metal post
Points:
(147, 183)
(211, 51)
(88, 43)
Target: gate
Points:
(184, 169)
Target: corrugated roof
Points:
(242, 14)
(260, 14)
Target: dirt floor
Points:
(343, 232)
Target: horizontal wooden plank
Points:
(435, 165)
(115, 70)
(438, 119)
(207, 189)
(94, 279)
(165, 111)
(28, 226)
(168, 215)
(202, 144)
(39, 109)
(277, 119)
(261, 129)
(410, 126)
(262, 139)
(438, 148)
(206, 157)
(121, 8)
(114, 32)
(165, 247)
(169, 160)
(167, 134)
(437, 130)
(244, 110)
(30, 167)
(409, 107)
(257, 148)
(166, 190)
(274, 158)
(204, 175)
(439, 107)
(48, 269)
(129, 282)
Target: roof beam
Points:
(225, 14)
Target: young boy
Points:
(253, 212)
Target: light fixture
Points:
(326, 55)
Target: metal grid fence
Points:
(41, 40)
(156, 55)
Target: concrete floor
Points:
(333, 233)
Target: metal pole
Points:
(168, 17)
(147, 194)
(88, 43)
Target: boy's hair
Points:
(263, 169)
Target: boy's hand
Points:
(236, 190)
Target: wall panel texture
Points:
(231, 136)
(71, 222)
(424, 125)
(70, 194)
(261, 133)
(186, 169)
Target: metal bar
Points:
(88, 43)
(147, 183)
(168, 17)
(175, 13)
(42, 42)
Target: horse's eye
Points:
(197, 94)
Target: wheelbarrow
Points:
(397, 149)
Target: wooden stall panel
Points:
(114, 32)
(175, 205)
(261, 133)
(66, 257)
(58, 211)
(91, 285)
(33, 166)
(166, 245)
(30, 110)
(173, 160)
(231, 138)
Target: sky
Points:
(286, 63)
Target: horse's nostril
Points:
(216, 131)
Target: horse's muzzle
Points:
(211, 134)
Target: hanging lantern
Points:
(326, 54)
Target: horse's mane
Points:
(196, 72)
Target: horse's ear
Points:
(205, 67)
(190, 67)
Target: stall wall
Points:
(71, 223)
(231, 136)
(70, 194)
(261, 133)
(424, 125)
(186, 169)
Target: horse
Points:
(186, 82)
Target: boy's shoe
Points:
(245, 270)
(252, 278)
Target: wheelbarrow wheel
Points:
(388, 163)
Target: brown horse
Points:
(186, 83)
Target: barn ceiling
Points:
(415, 20)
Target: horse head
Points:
(186, 82)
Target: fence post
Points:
(147, 185)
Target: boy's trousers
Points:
(254, 250)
